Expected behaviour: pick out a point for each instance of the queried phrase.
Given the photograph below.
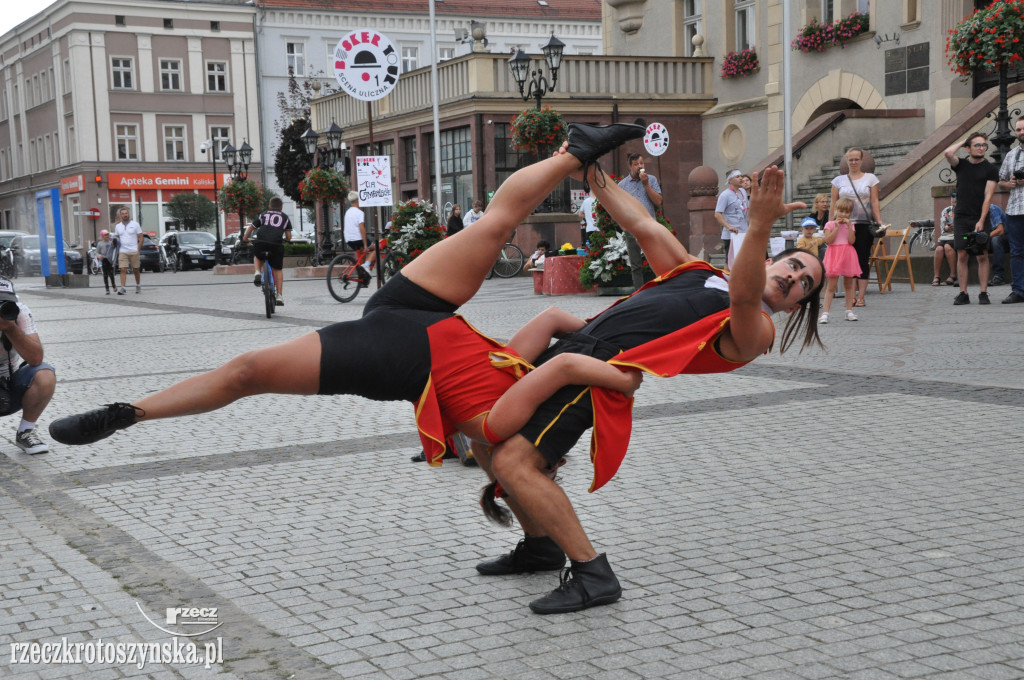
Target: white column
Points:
(103, 131)
(82, 99)
(196, 67)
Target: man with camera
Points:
(975, 185)
(26, 381)
(1011, 176)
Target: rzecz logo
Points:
(366, 65)
(192, 621)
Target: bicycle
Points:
(509, 263)
(925, 235)
(269, 288)
(343, 279)
(169, 259)
(242, 252)
(8, 269)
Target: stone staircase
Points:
(884, 155)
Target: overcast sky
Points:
(16, 11)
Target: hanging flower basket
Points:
(607, 263)
(739, 64)
(539, 132)
(243, 196)
(987, 40)
(326, 186)
(414, 228)
(818, 37)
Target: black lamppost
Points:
(203, 148)
(237, 161)
(325, 158)
(519, 65)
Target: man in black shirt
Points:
(272, 228)
(975, 184)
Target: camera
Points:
(1018, 174)
(9, 310)
(976, 242)
(6, 399)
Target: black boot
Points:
(533, 553)
(92, 426)
(583, 585)
(589, 142)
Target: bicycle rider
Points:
(355, 237)
(272, 228)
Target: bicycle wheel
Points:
(913, 242)
(269, 290)
(510, 262)
(342, 280)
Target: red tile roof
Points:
(581, 10)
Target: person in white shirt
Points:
(355, 235)
(587, 215)
(129, 236)
(473, 215)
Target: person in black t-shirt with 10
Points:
(272, 228)
(976, 180)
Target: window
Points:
(445, 53)
(220, 137)
(37, 90)
(828, 11)
(168, 23)
(170, 75)
(911, 11)
(32, 156)
(44, 86)
(296, 58)
(29, 102)
(121, 73)
(56, 149)
(127, 139)
(174, 142)
(411, 167)
(72, 149)
(744, 24)
(692, 17)
(410, 58)
(47, 152)
(119, 20)
(216, 76)
(67, 76)
(214, 25)
(456, 165)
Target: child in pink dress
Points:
(840, 258)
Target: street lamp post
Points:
(519, 65)
(207, 146)
(238, 161)
(326, 158)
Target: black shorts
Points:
(354, 245)
(570, 407)
(269, 252)
(385, 355)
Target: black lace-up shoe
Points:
(534, 553)
(583, 585)
(92, 426)
(590, 142)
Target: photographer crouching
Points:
(26, 381)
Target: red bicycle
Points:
(343, 279)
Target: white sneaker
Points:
(279, 300)
(29, 442)
(138, 289)
(823, 318)
(850, 316)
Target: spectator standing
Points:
(976, 180)
(473, 215)
(819, 210)
(589, 221)
(808, 241)
(129, 238)
(731, 212)
(455, 220)
(30, 380)
(944, 247)
(355, 235)
(103, 250)
(1011, 176)
(861, 188)
(645, 188)
(840, 258)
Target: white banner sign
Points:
(656, 139)
(373, 180)
(366, 65)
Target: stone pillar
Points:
(705, 233)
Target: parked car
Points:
(195, 248)
(27, 257)
(149, 255)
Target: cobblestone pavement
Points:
(854, 513)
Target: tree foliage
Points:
(290, 161)
(194, 211)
